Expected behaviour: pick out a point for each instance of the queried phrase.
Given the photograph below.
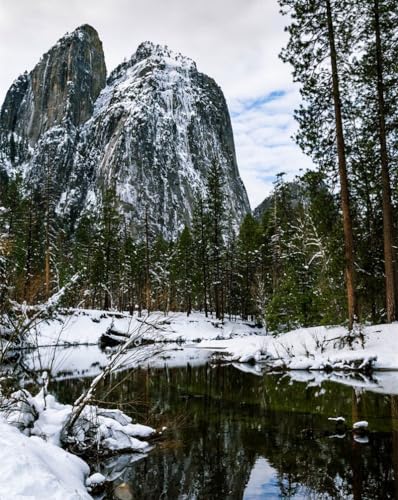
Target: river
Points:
(233, 434)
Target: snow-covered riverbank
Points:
(68, 347)
(318, 348)
(35, 465)
(84, 326)
(33, 468)
(197, 338)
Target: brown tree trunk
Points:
(388, 225)
(345, 196)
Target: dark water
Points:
(234, 435)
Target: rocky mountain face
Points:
(264, 206)
(150, 132)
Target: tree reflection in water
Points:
(235, 435)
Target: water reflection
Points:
(236, 435)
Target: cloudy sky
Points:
(235, 41)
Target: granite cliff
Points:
(151, 131)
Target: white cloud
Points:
(235, 41)
(263, 143)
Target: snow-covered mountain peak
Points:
(150, 55)
(151, 132)
(162, 53)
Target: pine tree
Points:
(159, 269)
(249, 253)
(4, 284)
(106, 251)
(320, 31)
(376, 107)
(201, 239)
(216, 215)
(183, 271)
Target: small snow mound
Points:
(95, 480)
(361, 439)
(361, 425)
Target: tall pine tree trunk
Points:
(345, 197)
(388, 226)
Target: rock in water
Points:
(151, 133)
(362, 425)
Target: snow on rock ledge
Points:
(109, 431)
(106, 431)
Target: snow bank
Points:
(37, 467)
(69, 343)
(33, 468)
(318, 348)
(105, 430)
(84, 326)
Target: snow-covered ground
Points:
(33, 468)
(33, 463)
(317, 348)
(86, 326)
(195, 339)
